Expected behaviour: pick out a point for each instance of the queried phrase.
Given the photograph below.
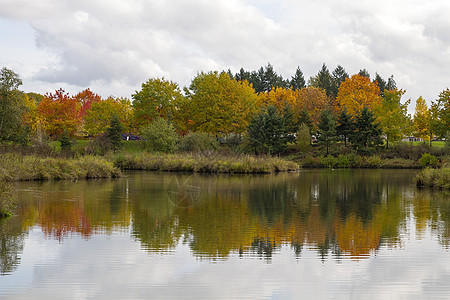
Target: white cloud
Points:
(117, 45)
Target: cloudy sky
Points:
(112, 46)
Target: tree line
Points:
(262, 106)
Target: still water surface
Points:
(317, 234)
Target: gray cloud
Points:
(117, 45)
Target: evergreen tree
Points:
(364, 73)
(242, 75)
(391, 84)
(345, 126)
(304, 118)
(298, 81)
(267, 132)
(114, 132)
(326, 133)
(367, 133)
(324, 80)
(338, 76)
(382, 85)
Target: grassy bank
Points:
(6, 200)
(434, 178)
(14, 167)
(357, 161)
(203, 163)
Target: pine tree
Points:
(267, 132)
(326, 133)
(114, 132)
(345, 126)
(367, 133)
(324, 80)
(338, 76)
(382, 85)
(304, 118)
(298, 81)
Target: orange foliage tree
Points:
(313, 100)
(356, 92)
(60, 113)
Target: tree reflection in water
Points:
(344, 213)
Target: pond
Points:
(316, 234)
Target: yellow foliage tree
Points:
(356, 92)
(217, 104)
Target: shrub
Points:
(428, 160)
(303, 139)
(198, 141)
(160, 136)
(435, 178)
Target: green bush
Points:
(160, 136)
(198, 141)
(303, 139)
(434, 178)
(428, 160)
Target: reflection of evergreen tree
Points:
(11, 244)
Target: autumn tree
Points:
(367, 131)
(85, 99)
(422, 120)
(217, 104)
(313, 100)
(60, 113)
(97, 118)
(393, 116)
(157, 98)
(357, 92)
(12, 104)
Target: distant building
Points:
(412, 139)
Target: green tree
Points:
(382, 85)
(326, 133)
(367, 133)
(160, 136)
(338, 76)
(305, 119)
(12, 104)
(344, 128)
(440, 121)
(298, 80)
(267, 132)
(114, 132)
(364, 73)
(303, 138)
(323, 80)
(393, 116)
(157, 98)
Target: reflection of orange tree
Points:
(432, 209)
(82, 207)
(58, 220)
